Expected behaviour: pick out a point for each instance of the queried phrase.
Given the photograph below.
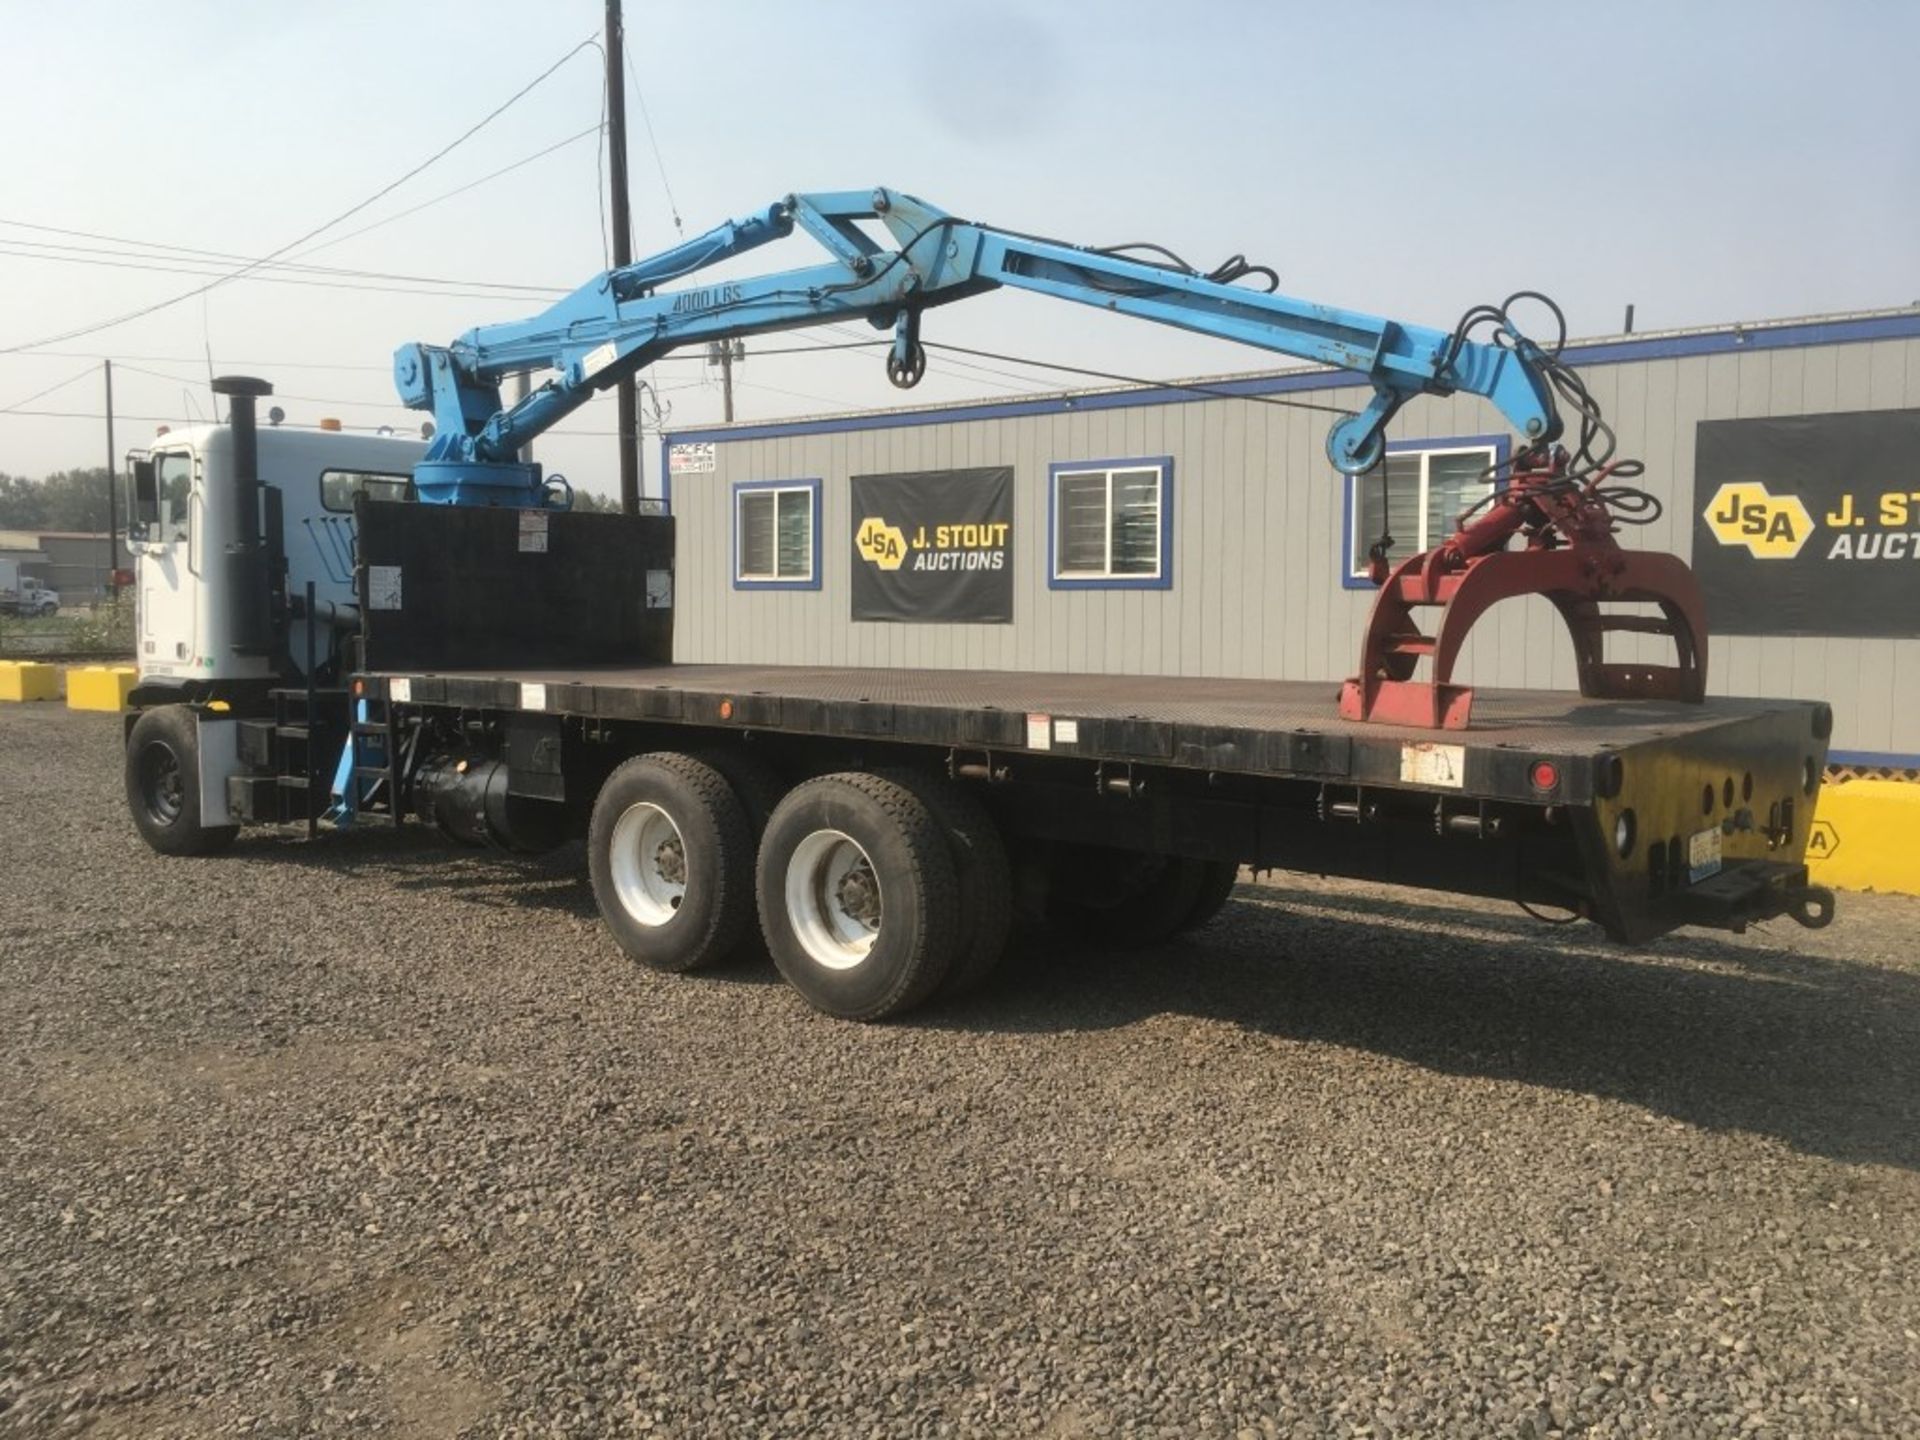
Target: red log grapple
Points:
(1571, 556)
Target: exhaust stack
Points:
(248, 568)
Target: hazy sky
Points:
(1708, 162)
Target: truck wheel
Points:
(163, 784)
(858, 896)
(671, 854)
(981, 870)
(1124, 901)
(1217, 879)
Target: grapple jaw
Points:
(1571, 557)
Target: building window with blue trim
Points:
(1110, 524)
(776, 534)
(1426, 486)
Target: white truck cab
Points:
(182, 521)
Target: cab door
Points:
(169, 567)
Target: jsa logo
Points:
(1772, 527)
(880, 543)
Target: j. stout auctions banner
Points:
(1809, 524)
(934, 547)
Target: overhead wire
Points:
(137, 249)
(318, 230)
(456, 191)
(646, 119)
(57, 385)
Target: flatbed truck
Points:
(355, 630)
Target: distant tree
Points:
(595, 504)
(22, 505)
(75, 500)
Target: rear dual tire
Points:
(860, 898)
(670, 849)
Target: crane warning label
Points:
(1426, 764)
(383, 587)
(934, 547)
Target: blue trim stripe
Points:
(1873, 758)
(1622, 351)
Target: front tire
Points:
(670, 850)
(163, 784)
(859, 900)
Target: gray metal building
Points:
(1163, 531)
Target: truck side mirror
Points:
(143, 507)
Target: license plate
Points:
(1703, 855)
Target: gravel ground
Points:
(371, 1138)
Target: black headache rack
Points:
(558, 629)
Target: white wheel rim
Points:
(649, 863)
(833, 899)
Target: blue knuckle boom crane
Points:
(622, 320)
(1558, 505)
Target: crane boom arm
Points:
(622, 320)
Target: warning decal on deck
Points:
(1428, 764)
(1039, 732)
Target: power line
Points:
(150, 250)
(457, 190)
(57, 385)
(318, 230)
(1214, 390)
(309, 284)
(673, 206)
(191, 360)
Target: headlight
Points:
(1623, 834)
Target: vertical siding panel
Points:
(1249, 614)
(1184, 421)
(1853, 379)
(1216, 498)
(1872, 718)
(1887, 383)
(1285, 595)
(1820, 380)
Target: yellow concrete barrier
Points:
(28, 680)
(99, 687)
(1866, 836)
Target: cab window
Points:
(338, 487)
(173, 477)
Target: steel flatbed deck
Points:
(1286, 729)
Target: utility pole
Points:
(113, 521)
(625, 396)
(723, 353)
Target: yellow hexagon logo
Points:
(1772, 527)
(880, 543)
